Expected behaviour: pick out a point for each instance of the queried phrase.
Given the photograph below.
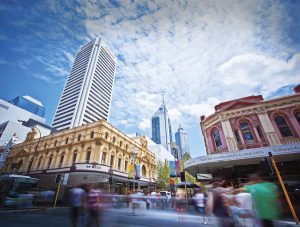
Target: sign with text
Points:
(204, 176)
(245, 154)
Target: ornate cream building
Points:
(89, 154)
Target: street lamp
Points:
(35, 149)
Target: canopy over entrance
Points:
(215, 162)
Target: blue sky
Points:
(198, 53)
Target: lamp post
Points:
(35, 149)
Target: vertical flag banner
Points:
(172, 169)
(137, 171)
(130, 171)
(177, 163)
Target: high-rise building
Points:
(182, 142)
(87, 93)
(19, 115)
(161, 127)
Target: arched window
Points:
(121, 143)
(103, 161)
(126, 165)
(283, 126)
(217, 138)
(114, 139)
(39, 163)
(67, 140)
(55, 143)
(297, 115)
(92, 134)
(79, 137)
(112, 159)
(126, 147)
(246, 131)
(106, 135)
(88, 156)
(45, 145)
(119, 163)
(74, 157)
(144, 172)
(49, 161)
(61, 160)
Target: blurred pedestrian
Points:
(265, 196)
(180, 204)
(92, 204)
(76, 204)
(199, 202)
(215, 202)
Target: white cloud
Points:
(197, 53)
(252, 73)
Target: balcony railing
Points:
(291, 140)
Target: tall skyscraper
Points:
(161, 127)
(182, 142)
(87, 93)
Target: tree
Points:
(188, 176)
(163, 174)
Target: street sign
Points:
(203, 176)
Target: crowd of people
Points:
(253, 204)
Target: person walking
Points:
(265, 196)
(92, 203)
(216, 205)
(180, 204)
(76, 204)
(199, 202)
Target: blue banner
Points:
(172, 169)
(137, 170)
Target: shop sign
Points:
(245, 154)
(204, 176)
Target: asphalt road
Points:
(60, 217)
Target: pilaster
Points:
(269, 129)
(229, 136)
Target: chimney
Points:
(297, 89)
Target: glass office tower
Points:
(182, 142)
(30, 104)
(161, 127)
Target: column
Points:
(229, 136)
(269, 129)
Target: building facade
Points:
(87, 93)
(161, 127)
(160, 152)
(182, 142)
(88, 154)
(25, 109)
(252, 122)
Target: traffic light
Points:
(58, 178)
(110, 180)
